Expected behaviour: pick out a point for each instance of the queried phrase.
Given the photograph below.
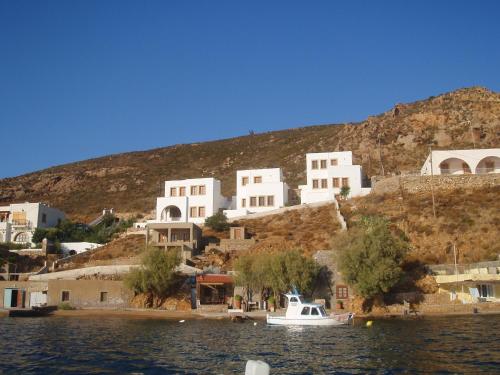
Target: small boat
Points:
(32, 312)
(302, 313)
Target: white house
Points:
(191, 200)
(258, 190)
(18, 221)
(327, 173)
(475, 161)
(72, 248)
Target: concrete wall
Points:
(415, 184)
(87, 293)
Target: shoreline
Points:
(254, 315)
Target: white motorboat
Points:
(302, 313)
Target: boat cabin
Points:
(297, 307)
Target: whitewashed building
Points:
(258, 190)
(327, 173)
(18, 221)
(191, 200)
(475, 161)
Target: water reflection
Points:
(116, 345)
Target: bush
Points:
(65, 306)
(156, 274)
(237, 297)
(370, 257)
(217, 222)
(344, 191)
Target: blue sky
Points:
(81, 79)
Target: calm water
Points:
(121, 345)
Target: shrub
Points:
(370, 257)
(217, 222)
(156, 274)
(344, 191)
(237, 297)
(65, 306)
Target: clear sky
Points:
(80, 79)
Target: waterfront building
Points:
(327, 173)
(456, 162)
(18, 221)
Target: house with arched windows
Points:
(18, 221)
(454, 162)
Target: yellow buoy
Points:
(369, 323)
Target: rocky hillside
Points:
(130, 182)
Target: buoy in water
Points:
(369, 323)
(254, 323)
(181, 321)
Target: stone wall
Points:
(416, 184)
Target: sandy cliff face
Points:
(130, 182)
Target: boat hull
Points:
(322, 321)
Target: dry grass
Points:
(468, 218)
(310, 229)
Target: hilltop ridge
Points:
(130, 182)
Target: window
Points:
(445, 168)
(243, 202)
(22, 237)
(104, 297)
(257, 180)
(262, 201)
(323, 164)
(315, 184)
(485, 290)
(334, 162)
(314, 311)
(194, 190)
(173, 192)
(182, 191)
(193, 211)
(342, 292)
(314, 164)
(324, 183)
(294, 299)
(490, 166)
(65, 296)
(336, 182)
(44, 218)
(201, 211)
(253, 201)
(345, 182)
(202, 190)
(305, 311)
(465, 168)
(322, 311)
(244, 181)
(270, 200)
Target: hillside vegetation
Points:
(130, 182)
(468, 218)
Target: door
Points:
(7, 297)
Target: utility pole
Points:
(471, 134)
(432, 184)
(380, 155)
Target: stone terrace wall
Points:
(416, 184)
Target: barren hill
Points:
(130, 182)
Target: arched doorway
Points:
(454, 166)
(22, 237)
(489, 164)
(171, 213)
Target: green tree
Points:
(344, 191)
(217, 222)
(370, 256)
(156, 274)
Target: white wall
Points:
(212, 200)
(78, 247)
(271, 185)
(343, 168)
(475, 160)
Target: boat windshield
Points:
(322, 311)
(301, 299)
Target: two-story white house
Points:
(327, 173)
(18, 221)
(474, 161)
(191, 200)
(258, 190)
